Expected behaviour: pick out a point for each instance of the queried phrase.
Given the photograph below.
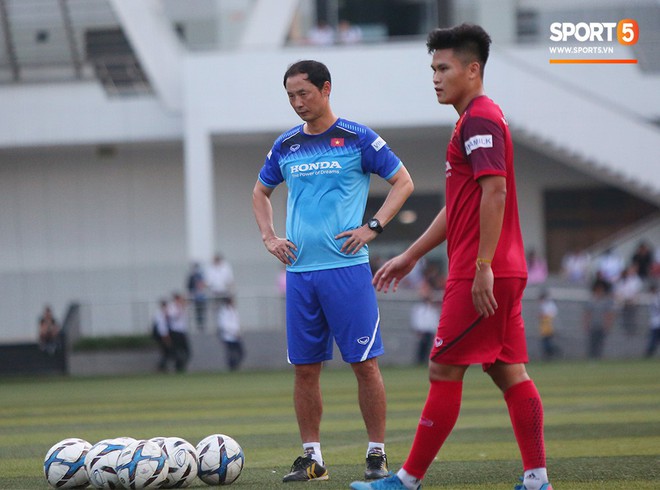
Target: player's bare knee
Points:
(507, 375)
(446, 372)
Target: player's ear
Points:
(474, 70)
(326, 89)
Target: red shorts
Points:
(500, 337)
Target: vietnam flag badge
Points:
(335, 142)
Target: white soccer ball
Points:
(182, 458)
(64, 465)
(101, 461)
(125, 440)
(221, 459)
(160, 440)
(142, 464)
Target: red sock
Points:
(436, 423)
(526, 412)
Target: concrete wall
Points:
(267, 349)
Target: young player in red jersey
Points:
(481, 320)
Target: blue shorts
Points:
(334, 303)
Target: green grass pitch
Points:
(602, 423)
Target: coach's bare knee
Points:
(366, 369)
(305, 372)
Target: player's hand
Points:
(482, 291)
(356, 239)
(283, 249)
(391, 273)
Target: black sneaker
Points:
(305, 468)
(376, 466)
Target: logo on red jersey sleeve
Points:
(478, 141)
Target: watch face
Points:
(374, 225)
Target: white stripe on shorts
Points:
(373, 338)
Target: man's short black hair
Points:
(317, 73)
(469, 41)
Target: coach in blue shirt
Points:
(326, 163)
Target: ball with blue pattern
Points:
(221, 459)
(64, 465)
(142, 464)
(101, 463)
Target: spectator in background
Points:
(547, 314)
(49, 331)
(280, 282)
(161, 333)
(599, 315)
(424, 319)
(178, 318)
(197, 293)
(348, 33)
(575, 266)
(433, 276)
(627, 292)
(322, 34)
(220, 278)
(229, 330)
(610, 266)
(654, 321)
(537, 268)
(219, 282)
(643, 258)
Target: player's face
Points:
(451, 77)
(307, 100)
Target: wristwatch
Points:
(374, 225)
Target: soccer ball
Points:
(182, 458)
(160, 440)
(101, 461)
(64, 465)
(142, 464)
(221, 459)
(125, 440)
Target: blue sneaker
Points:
(389, 483)
(545, 486)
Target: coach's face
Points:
(453, 79)
(307, 100)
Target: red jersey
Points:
(481, 145)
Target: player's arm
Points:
(402, 187)
(491, 216)
(262, 207)
(398, 267)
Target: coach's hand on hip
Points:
(356, 239)
(283, 249)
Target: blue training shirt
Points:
(327, 177)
